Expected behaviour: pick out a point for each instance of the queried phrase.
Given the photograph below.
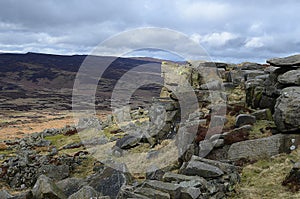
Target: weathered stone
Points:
(128, 192)
(244, 119)
(250, 66)
(46, 188)
(263, 147)
(238, 134)
(108, 182)
(70, 185)
(205, 146)
(293, 60)
(251, 74)
(174, 177)
(85, 192)
(236, 77)
(194, 167)
(152, 193)
(225, 167)
(218, 143)
(172, 189)
(128, 141)
(190, 193)
(55, 172)
(155, 174)
(4, 194)
(253, 92)
(213, 85)
(264, 114)
(217, 120)
(291, 77)
(287, 114)
(267, 102)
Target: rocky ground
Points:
(239, 139)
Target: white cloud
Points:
(227, 29)
(199, 10)
(218, 39)
(254, 42)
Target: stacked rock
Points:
(279, 91)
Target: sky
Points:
(229, 30)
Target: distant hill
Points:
(51, 77)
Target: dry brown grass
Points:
(263, 179)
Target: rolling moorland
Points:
(241, 140)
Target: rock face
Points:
(263, 147)
(84, 192)
(201, 169)
(244, 119)
(108, 182)
(291, 77)
(287, 114)
(279, 92)
(46, 188)
(287, 61)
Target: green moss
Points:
(84, 169)
(72, 151)
(107, 131)
(142, 148)
(61, 140)
(259, 129)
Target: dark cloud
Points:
(228, 30)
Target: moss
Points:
(84, 169)
(72, 151)
(261, 128)
(61, 140)
(107, 131)
(142, 148)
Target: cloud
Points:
(254, 42)
(231, 30)
(218, 39)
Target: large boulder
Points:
(152, 193)
(128, 141)
(291, 77)
(46, 188)
(109, 181)
(237, 135)
(263, 147)
(199, 168)
(244, 119)
(293, 60)
(170, 188)
(55, 172)
(70, 185)
(85, 192)
(287, 114)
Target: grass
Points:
(61, 140)
(85, 168)
(259, 129)
(263, 179)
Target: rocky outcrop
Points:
(287, 115)
(263, 147)
(46, 188)
(210, 135)
(293, 61)
(279, 92)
